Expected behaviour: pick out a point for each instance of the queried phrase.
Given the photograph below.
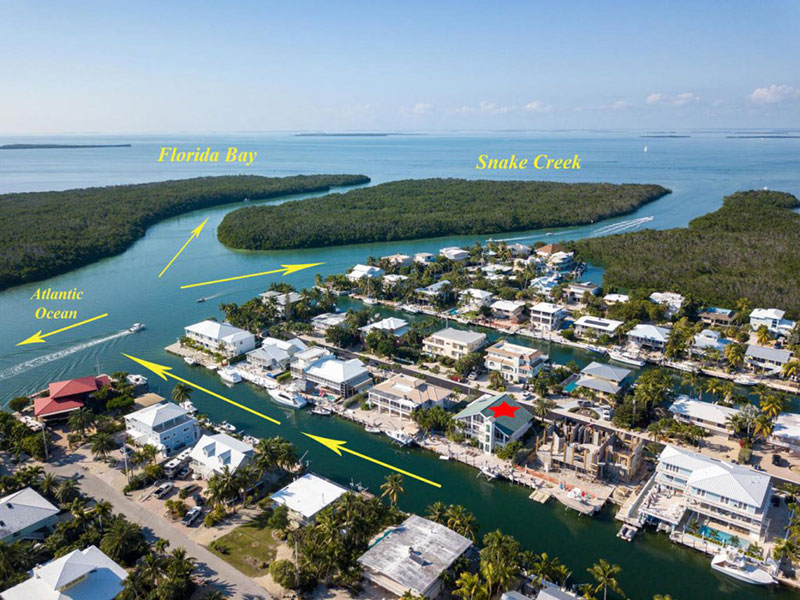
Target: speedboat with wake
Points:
(136, 327)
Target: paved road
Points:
(225, 577)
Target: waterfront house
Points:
(772, 319)
(213, 453)
(306, 496)
(546, 316)
(508, 310)
(453, 343)
(786, 432)
(589, 326)
(671, 301)
(454, 253)
(715, 316)
(424, 258)
(397, 327)
(519, 250)
(223, 338)
(303, 360)
(402, 394)
(517, 364)
(391, 280)
(544, 285)
(399, 260)
(328, 373)
(717, 493)
(63, 397)
(575, 291)
(611, 299)
(166, 426)
(281, 301)
(711, 417)
(26, 515)
(548, 250)
(604, 380)
(649, 337)
(80, 575)
(767, 359)
(479, 423)
(708, 339)
(412, 557)
(321, 323)
(561, 262)
(431, 293)
(364, 271)
(275, 354)
(473, 299)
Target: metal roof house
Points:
(213, 453)
(649, 337)
(25, 513)
(603, 379)
(68, 395)
(490, 432)
(307, 495)
(166, 426)
(769, 359)
(712, 417)
(412, 557)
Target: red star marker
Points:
(504, 409)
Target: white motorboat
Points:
(409, 308)
(321, 411)
(188, 406)
(227, 426)
(371, 301)
(229, 375)
(189, 360)
(744, 380)
(444, 457)
(201, 299)
(400, 436)
(287, 398)
(489, 473)
(136, 327)
(373, 429)
(626, 358)
(597, 350)
(734, 564)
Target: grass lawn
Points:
(250, 547)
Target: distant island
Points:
(422, 208)
(664, 135)
(47, 233)
(746, 249)
(59, 146)
(349, 134)
(759, 136)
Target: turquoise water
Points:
(717, 536)
(699, 170)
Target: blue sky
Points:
(212, 66)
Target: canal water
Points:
(700, 170)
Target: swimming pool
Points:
(720, 537)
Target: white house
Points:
(221, 337)
(424, 258)
(611, 299)
(772, 319)
(402, 394)
(768, 359)
(544, 285)
(519, 250)
(453, 343)
(515, 363)
(510, 310)
(575, 291)
(399, 260)
(434, 290)
(595, 326)
(671, 301)
(307, 495)
(80, 575)
(708, 339)
(397, 327)
(275, 354)
(454, 253)
(478, 421)
(711, 417)
(649, 337)
(166, 426)
(213, 453)
(603, 379)
(364, 271)
(786, 432)
(25, 514)
(321, 323)
(546, 316)
(392, 279)
(280, 299)
(475, 299)
(345, 377)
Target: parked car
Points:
(192, 515)
(184, 471)
(163, 489)
(199, 500)
(777, 460)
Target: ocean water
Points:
(700, 171)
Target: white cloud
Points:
(774, 94)
(421, 108)
(677, 100)
(492, 108)
(653, 99)
(685, 98)
(538, 106)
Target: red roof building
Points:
(66, 396)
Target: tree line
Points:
(413, 209)
(46, 233)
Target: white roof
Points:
(507, 305)
(697, 409)
(477, 294)
(608, 325)
(670, 298)
(459, 335)
(771, 354)
(336, 370)
(546, 307)
(650, 332)
(614, 298)
(329, 319)
(58, 579)
(218, 331)
(23, 509)
(390, 324)
(787, 427)
(767, 313)
(308, 494)
(604, 371)
(157, 414)
(221, 450)
(717, 477)
(394, 278)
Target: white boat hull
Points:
(625, 359)
(753, 576)
(287, 399)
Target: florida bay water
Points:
(700, 170)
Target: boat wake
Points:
(621, 226)
(534, 235)
(47, 358)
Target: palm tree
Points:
(66, 491)
(772, 405)
(542, 407)
(791, 370)
(713, 387)
(690, 379)
(102, 444)
(393, 487)
(122, 539)
(763, 426)
(762, 335)
(82, 419)
(734, 353)
(149, 453)
(437, 512)
(48, 485)
(181, 393)
(460, 520)
(468, 587)
(604, 575)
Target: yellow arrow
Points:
(164, 372)
(195, 232)
(338, 446)
(285, 269)
(38, 337)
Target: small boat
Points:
(489, 473)
(645, 149)
(371, 301)
(201, 299)
(734, 564)
(409, 308)
(444, 457)
(229, 375)
(287, 398)
(189, 360)
(227, 426)
(249, 439)
(625, 358)
(136, 327)
(597, 350)
(744, 380)
(321, 411)
(400, 436)
(188, 406)
(373, 429)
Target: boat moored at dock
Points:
(733, 563)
